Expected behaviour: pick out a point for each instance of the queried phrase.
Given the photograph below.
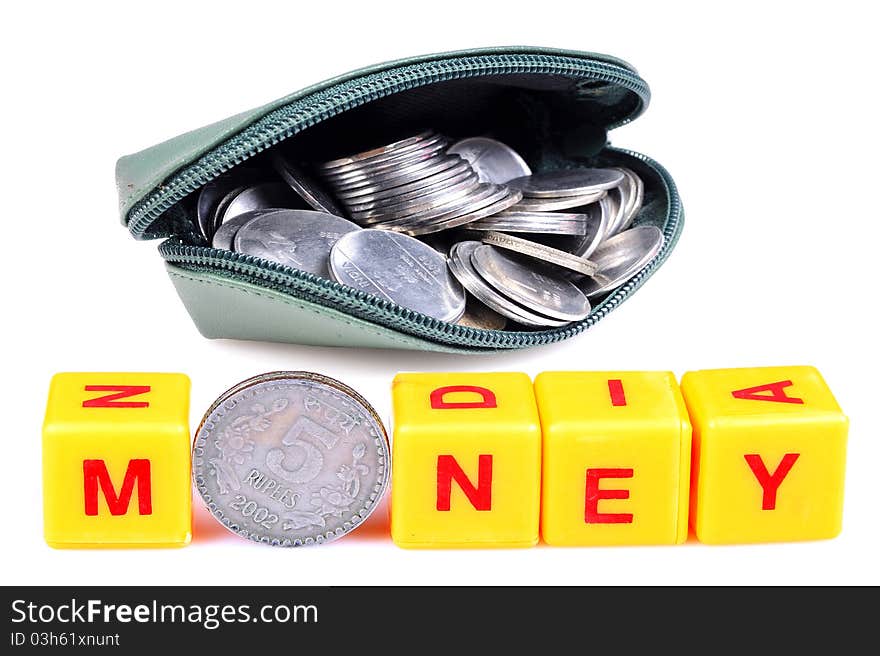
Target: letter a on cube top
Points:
(769, 455)
(466, 460)
(116, 460)
(616, 458)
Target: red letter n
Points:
(593, 495)
(95, 473)
(449, 469)
(770, 483)
(112, 400)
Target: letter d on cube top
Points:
(467, 460)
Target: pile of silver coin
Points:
(416, 186)
(460, 231)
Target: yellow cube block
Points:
(616, 463)
(116, 460)
(769, 455)
(466, 460)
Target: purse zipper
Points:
(286, 121)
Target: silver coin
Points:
(630, 192)
(640, 196)
(290, 459)
(493, 161)
(398, 177)
(497, 202)
(220, 211)
(374, 154)
(225, 235)
(399, 269)
(540, 291)
(575, 182)
(616, 208)
(466, 177)
(464, 218)
(596, 228)
(620, 257)
(551, 223)
(634, 200)
(481, 195)
(479, 315)
(266, 195)
(387, 177)
(567, 229)
(544, 217)
(425, 203)
(301, 239)
(379, 191)
(436, 145)
(408, 160)
(207, 203)
(627, 192)
(304, 185)
(461, 265)
(540, 252)
(553, 204)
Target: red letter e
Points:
(594, 495)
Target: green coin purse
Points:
(554, 107)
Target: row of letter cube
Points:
(615, 458)
(491, 460)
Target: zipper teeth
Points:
(388, 314)
(284, 122)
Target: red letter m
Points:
(95, 473)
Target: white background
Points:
(765, 114)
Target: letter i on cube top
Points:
(116, 460)
(769, 455)
(466, 460)
(616, 461)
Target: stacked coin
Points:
(559, 190)
(531, 296)
(291, 458)
(418, 210)
(414, 186)
(545, 223)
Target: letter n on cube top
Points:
(116, 460)
(769, 455)
(467, 460)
